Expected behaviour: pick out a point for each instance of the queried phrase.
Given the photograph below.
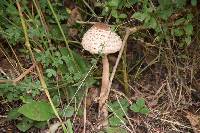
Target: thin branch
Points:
(128, 32)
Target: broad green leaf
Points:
(165, 3)
(114, 13)
(56, 100)
(188, 40)
(105, 11)
(11, 9)
(121, 112)
(115, 130)
(193, 2)
(115, 106)
(188, 29)
(189, 17)
(139, 16)
(114, 3)
(69, 126)
(26, 99)
(25, 125)
(67, 112)
(135, 108)
(165, 14)
(140, 102)
(50, 73)
(177, 32)
(37, 110)
(81, 62)
(122, 15)
(22, 126)
(144, 111)
(40, 124)
(179, 21)
(13, 114)
(180, 3)
(115, 121)
(152, 23)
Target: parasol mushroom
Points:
(100, 39)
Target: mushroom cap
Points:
(101, 39)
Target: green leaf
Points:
(82, 64)
(117, 109)
(115, 121)
(25, 125)
(165, 14)
(56, 100)
(105, 11)
(40, 124)
(135, 108)
(26, 99)
(180, 3)
(188, 40)
(177, 32)
(114, 13)
(188, 29)
(139, 16)
(152, 23)
(115, 130)
(38, 111)
(11, 9)
(140, 102)
(50, 73)
(67, 112)
(179, 21)
(69, 126)
(144, 111)
(193, 2)
(13, 114)
(122, 15)
(165, 3)
(114, 3)
(189, 17)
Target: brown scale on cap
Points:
(101, 39)
(101, 26)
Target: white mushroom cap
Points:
(101, 39)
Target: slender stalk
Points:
(103, 112)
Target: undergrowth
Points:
(167, 44)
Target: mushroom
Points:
(100, 39)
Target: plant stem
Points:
(128, 32)
(40, 75)
(125, 75)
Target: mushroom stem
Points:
(103, 112)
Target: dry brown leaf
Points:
(74, 16)
(194, 121)
(92, 96)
